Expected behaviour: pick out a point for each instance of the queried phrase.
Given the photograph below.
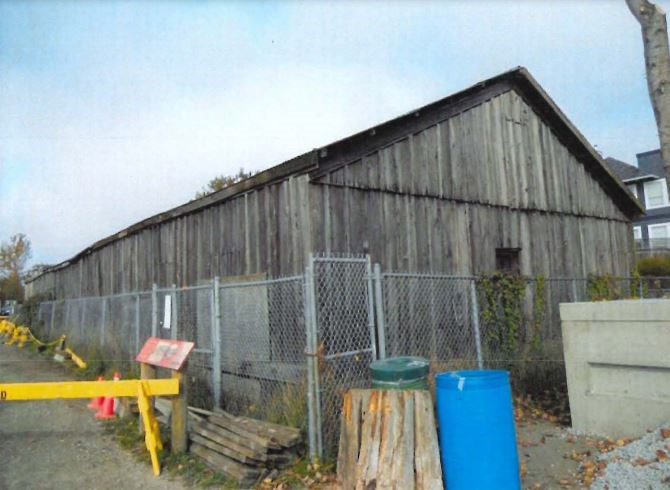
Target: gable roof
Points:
(341, 152)
(625, 171)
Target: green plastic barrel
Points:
(400, 373)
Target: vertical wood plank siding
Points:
(441, 199)
(257, 232)
(444, 198)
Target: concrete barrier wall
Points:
(617, 360)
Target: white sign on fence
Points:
(167, 312)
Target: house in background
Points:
(647, 183)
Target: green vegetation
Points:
(501, 303)
(288, 406)
(14, 255)
(655, 265)
(602, 287)
(223, 181)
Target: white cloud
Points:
(131, 118)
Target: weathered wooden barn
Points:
(494, 176)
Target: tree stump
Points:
(388, 440)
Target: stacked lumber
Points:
(242, 448)
(388, 440)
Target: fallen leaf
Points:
(661, 455)
(665, 432)
(641, 462)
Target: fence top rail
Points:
(184, 288)
(332, 260)
(415, 275)
(264, 282)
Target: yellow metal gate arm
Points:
(86, 389)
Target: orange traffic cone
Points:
(96, 402)
(106, 411)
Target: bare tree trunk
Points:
(657, 61)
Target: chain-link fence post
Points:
(475, 323)
(309, 357)
(216, 341)
(137, 323)
(154, 310)
(174, 334)
(371, 308)
(641, 288)
(82, 325)
(103, 325)
(53, 318)
(66, 320)
(575, 298)
(312, 359)
(379, 303)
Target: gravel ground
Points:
(642, 464)
(57, 443)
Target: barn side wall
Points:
(444, 198)
(254, 233)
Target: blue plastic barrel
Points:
(476, 424)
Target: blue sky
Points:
(113, 111)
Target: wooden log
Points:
(427, 466)
(230, 440)
(243, 474)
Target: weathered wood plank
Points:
(426, 452)
(244, 474)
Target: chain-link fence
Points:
(431, 316)
(286, 349)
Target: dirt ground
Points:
(57, 443)
(550, 455)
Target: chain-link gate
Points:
(343, 339)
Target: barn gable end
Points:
(445, 196)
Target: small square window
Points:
(507, 260)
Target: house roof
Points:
(651, 162)
(343, 151)
(627, 172)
